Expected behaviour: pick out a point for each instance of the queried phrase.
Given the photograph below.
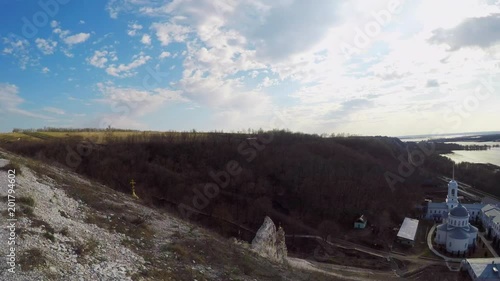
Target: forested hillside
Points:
(306, 182)
(310, 180)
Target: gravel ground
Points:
(111, 261)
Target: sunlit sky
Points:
(360, 67)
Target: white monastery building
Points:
(439, 211)
(490, 217)
(455, 232)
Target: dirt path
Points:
(342, 272)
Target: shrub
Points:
(26, 200)
(31, 259)
(86, 249)
(27, 210)
(50, 236)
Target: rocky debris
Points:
(270, 243)
(56, 213)
(3, 163)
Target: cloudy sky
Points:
(388, 67)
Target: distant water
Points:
(491, 156)
(444, 136)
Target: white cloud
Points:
(56, 28)
(112, 10)
(227, 96)
(126, 70)
(9, 96)
(47, 47)
(146, 39)
(98, 59)
(65, 36)
(45, 70)
(10, 102)
(81, 22)
(236, 49)
(294, 43)
(54, 110)
(466, 33)
(77, 38)
(133, 28)
(116, 7)
(19, 49)
(136, 103)
(268, 82)
(169, 32)
(67, 53)
(164, 55)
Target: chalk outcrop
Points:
(270, 243)
(281, 251)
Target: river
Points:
(491, 156)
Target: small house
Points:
(360, 223)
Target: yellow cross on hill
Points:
(132, 184)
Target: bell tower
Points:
(452, 197)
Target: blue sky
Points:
(384, 68)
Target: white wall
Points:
(457, 245)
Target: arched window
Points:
(453, 191)
(450, 244)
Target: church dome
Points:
(459, 211)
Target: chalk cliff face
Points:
(270, 243)
(281, 250)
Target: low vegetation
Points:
(49, 236)
(87, 248)
(42, 224)
(26, 200)
(31, 259)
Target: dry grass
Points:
(86, 249)
(42, 224)
(31, 259)
(121, 225)
(26, 200)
